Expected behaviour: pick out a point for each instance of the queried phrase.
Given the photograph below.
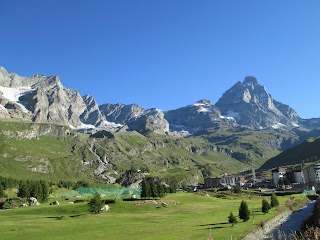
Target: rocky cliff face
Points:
(250, 104)
(198, 116)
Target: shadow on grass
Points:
(213, 224)
(63, 217)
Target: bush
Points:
(96, 203)
(232, 219)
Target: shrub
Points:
(232, 219)
(96, 203)
(265, 206)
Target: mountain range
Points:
(244, 129)
(44, 99)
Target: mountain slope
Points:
(306, 152)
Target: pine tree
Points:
(280, 182)
(274, 200)
(24, 189)
(232, 219)
(96, 203)
(44, 191)
(153, 190)
(265, 206)
(2, 194)
(244, 212)
(145, 189)
(160, 189)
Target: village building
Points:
(312, 174)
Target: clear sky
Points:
(167, 53)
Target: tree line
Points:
(153, 189)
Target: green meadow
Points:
(197, 216)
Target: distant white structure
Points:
(312, 174)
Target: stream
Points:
(292, 223)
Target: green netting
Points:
(309, 192)
(108, 191)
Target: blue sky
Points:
(167, 54)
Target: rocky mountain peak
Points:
(204, 101)
(251, 105)
(250, 80)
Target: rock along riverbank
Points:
(288, 222)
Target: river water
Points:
(292, 223)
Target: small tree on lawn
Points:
(265, 206)
(232, 219)
(274, 200)
(244, 212)
(96, 203)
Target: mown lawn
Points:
(194, 218)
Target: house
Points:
(277, 174)
(233, 180)
(312, 174)
(212, 182)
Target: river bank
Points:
(287, 222)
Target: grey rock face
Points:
(198, 116)
(152, 120)
(92, 114)
(42, 99)
(121, 113)
(250, 104)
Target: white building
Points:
(312, 174)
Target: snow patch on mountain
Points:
(278, 125)
(233, 114)
(203, 109)
(226, 117)
(13, 94)
(112, 124)
(85, 126)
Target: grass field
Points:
(194, 218)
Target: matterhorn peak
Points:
(250, 80)
(204, 101)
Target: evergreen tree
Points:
(274, 200)
(232, 219)
(24, 189)
(173, 188)
(145, 189)
(160, 189)
(265, 206)
(44, 191)
(153, 189)
(96, 203)
(280, 182)
(244, 212)
(36, 190)
(2, 194)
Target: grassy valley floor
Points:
(195, 217)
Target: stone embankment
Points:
(285, 223)
(260, 232)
